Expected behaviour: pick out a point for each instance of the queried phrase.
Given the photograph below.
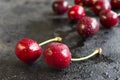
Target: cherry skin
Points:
(28, 50)
(76, 12)
(78, 2)
(101, 5)
(57, 55)
(109, 19)
(89, 3)
(60, 6)
(87, 26)
(115, 4)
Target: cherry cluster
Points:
(88, 26)
(57, 55)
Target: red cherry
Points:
(76, 12)
(87, 26)
(28, 50)
(115, 4)
(89, 3)
(60, 6)
(78, 2)
(109, 19)
(58, 56)
(101, 5)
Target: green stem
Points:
(51, 40)
(97, 51)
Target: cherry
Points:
(89, 3)
(76, 12)
(58, 56)
(87, 26)
(109, 19)
(115, 4)
(60, 6)
(78, 2)
(28, 50)
(101, 5)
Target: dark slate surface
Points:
(35, 19)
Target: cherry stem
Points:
(51, 40)
(118, 14)
(97, 51)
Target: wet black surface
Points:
(35, 19)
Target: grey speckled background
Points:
(35, 19)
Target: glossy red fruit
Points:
(101, 5)
(76, 12)
(60, 6)
(28, 50)
(57, 55)
(87, 26)
(89, 3)
(109, 19)
(78, 2)
(115, 4)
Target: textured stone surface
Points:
(35, 19)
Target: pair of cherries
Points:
(97, 5)
(114, 3)
(56, 55)
(88, 26)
